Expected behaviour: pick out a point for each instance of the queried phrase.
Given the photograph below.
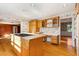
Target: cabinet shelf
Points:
(54, 22)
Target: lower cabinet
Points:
(16, 49)
(55, 39)
(31, 47)
(16, 44)
(25, 47)
(36, 46)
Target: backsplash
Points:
(51, 31)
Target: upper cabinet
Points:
(53, 22)
(77, 8)
(44, 23)
(35, 25)
(50, 23)
(39, 23)
(56, 21)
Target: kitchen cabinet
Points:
(56, 21)
(35, 25)
(32, 48)
(36, 47)
(39, 23)
(51, 22)
(16, 44)
(55, 39)
(24, 46)
(44, 23)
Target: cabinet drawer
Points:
(54, 39)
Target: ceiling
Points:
(15, 12)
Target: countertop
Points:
(32, 36)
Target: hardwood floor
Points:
(64, 49)
(48, 49)
(66, 40)
(58, 50)
(5, 48)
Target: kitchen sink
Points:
(23, 35)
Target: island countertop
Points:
(34, 36)
(30, 36)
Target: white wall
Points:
(77, 34)
(24, 27)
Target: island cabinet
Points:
(16, 44)
(35, 47)
(32, 47)
(24, 46)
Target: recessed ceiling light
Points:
(32, 5)
(64, 5)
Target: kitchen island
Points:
(28, 44)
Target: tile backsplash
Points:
(50, 31)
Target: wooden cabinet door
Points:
(36, 47)
(32, 26)
(54, 39)
(25, 47)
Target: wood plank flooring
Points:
(48, 49)
(5, 48)
(58, 50)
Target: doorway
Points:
(66, 31)
(16, 29)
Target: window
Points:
(69, 27)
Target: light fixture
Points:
(32, 4)
(64, 5)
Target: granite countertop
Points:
(30, 36)
(34, 36)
